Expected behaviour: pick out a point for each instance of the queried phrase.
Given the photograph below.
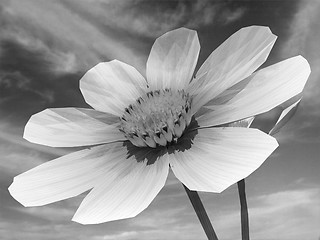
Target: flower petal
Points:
(64, 177)
(264, 90)
(111, 86)
(272, 121)
(219, 157)
(285, 116)
(235, 59)
(70, 127)
(127, 189)
(172, 59)
(241, 123)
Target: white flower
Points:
(141, 127)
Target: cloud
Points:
(16, 28)
(303, 39)
(150, 19)
(68, 39)
(304, 34)
(301, 28)
(297, 210)
(283, 215)
(120, 236)
(231, 15)
(28, 81)
(15, 80)
(29, 84)
(57, 212)
(75, 35)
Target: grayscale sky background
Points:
(45, 48)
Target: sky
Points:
(47, 46)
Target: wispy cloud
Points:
(150, 19)
(78, 34)
(303, 39)
(69, 39)
(275, 213)
(284, 215)
(121, 236)
(57, 212)
(231, 15)
(304, 35)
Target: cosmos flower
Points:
(174, 119)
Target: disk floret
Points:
(157, 118)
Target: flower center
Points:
(156, 119)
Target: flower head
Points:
(139, 128)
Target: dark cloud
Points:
(29, 82)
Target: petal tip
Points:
(305, 63)
(183, 29)
(89, 220)
(77, 219)
(11, 189)
(257, 27)
(26, 132)
(14, 192)
(275, 143)
(31, 126)
(264, 29)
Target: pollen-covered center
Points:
(157, 118)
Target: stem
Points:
(201, 213)
(244, 210)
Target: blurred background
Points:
(45, 48)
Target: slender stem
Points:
(244, 210)
(201, 213)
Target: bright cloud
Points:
(68, 38)
(284, 215)
(303, 39)
(75, 35)
(304, 35)
(291, 214)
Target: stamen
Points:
(157, 118)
